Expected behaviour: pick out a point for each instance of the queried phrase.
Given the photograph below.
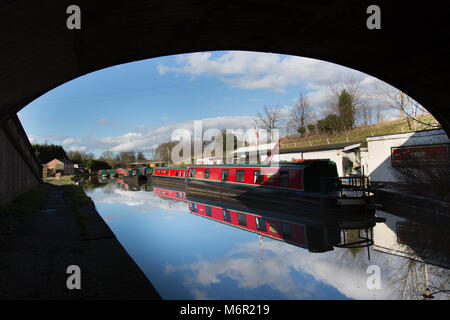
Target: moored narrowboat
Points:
(170, 177)
(170, 172)
(127, 172)
(309, 184)
(103, 173)
(144, 171)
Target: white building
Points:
(335, 152)
(380, 168)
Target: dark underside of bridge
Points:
(38, 52)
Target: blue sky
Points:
(136, 106)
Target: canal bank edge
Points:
(68, 231)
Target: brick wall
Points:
(20, 170)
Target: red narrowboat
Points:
(170, 177)
(170, 172)
(170, 193)
(309, 184)
(315, 235)
(127, 172)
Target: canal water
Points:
(188, 254)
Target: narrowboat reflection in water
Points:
(317, 234)
(174, 194)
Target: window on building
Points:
(225, 173)
(206, 173)
(226, 215)
(192, 173)
(240, 175)
(258, 177)
(284, 178)
(208, 211)
(242, 219)
(261, 224)
(286, 230)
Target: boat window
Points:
(208, 211)
(242, 219)
(185, 173)
(225, 173)
(258, 177)
(286, 230)
(193, 207)
(206, 173)
(165, 171)
(176, 173)
(261, 224)
(226, 215)
(240, 175)
(192, 173)
(284, 178)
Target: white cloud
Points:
(71, 141)
(149, 138)
(277, 271)
(78, 148)
(255, 70)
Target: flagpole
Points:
(257, 144)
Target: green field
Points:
(358, 134)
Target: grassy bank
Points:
(28, 202)
(358, 134)
(75, 197)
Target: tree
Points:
(301, 113)
(164, 150)
(97, 165)
(270, 119)
(311, 128)
(346, 110)
(140, 156)
(328, 124)
(301, 130)
(408, 108)
(47, 152)
(345, 101)
(80, 156)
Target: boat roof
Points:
(165, 168)
(255, 165)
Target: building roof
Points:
(324, 147)
(65, 161)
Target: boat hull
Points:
(261, 197)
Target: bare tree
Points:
(409, 109)
(270, 118)
(301, 113)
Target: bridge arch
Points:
(40, 53)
